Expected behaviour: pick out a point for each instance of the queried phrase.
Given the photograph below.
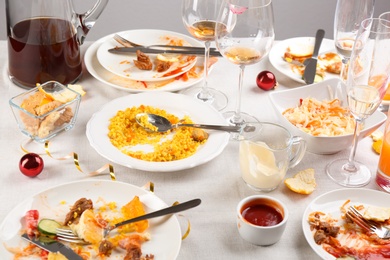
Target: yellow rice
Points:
(126, 134)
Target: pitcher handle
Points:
(298, 150)
(84, 22)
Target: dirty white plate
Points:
(110, 79)
(177, 104)
(165, 232)
(122, 64)
(277, 52)
(330, 203)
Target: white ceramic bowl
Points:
(261, 235)
(281, 100)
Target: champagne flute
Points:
(199, 19)
(367, 81)
(349, 14)
(384, 106)
(245, 39)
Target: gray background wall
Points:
(293, 18)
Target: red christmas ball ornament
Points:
(266, 80)
(31, 164)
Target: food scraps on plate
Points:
(132, 139)
(341, 237)
(88, 221)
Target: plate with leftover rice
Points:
(174, 104)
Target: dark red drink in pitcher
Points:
(44, 39)
(43, 49)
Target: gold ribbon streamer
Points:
(150, 185)
(77, 163)
(188, 227)
(188, 223)
(75, 160)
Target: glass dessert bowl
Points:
(46, 110)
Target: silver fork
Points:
(67, 235)
(125, 42)
(368, 225)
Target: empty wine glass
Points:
(367, 81)
(244, 36)
(349, 14)
(199, 19)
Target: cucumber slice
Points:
(48, 226)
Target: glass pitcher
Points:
(44, 38)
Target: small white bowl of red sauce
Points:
(261, 220)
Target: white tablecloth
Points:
(218, 183)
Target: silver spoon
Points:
(164, 125)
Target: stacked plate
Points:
(119, 71)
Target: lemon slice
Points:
(303, 182)
(65, 95)
(377, 146)
(78, 88)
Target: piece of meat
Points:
(105, 248)
(132, 245)
(77, 209)
(162, 66)
(319, 237)
(143, 61)
(199, 135)
(133, 254)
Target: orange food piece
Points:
(377, 146)
(134, 209)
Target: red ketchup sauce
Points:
(260, 214)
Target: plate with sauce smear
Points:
(54, 203)
(110, 79)
(123, 65)
(330, 203)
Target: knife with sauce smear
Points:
(53, 246)
(311, 63)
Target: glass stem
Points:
(237, 114)
(204, 94)
(344, 71)
(350, 166)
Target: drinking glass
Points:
(349, 14)
(244, 36)
(199, 19)
(384, 106)
(367, 81)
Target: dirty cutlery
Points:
(367, 225)
(311, 63)
(128, 43)
(67, 235)
(175, 50)
(163, 124)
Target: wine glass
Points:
(199, 19)
(349, 14)
(367, 81)
(244, 36)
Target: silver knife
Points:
(311, 63)
(189, 51)
(53, 246)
